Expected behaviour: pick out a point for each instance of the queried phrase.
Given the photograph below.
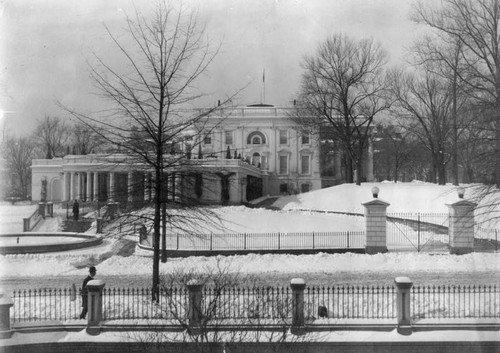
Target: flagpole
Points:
(264, 84)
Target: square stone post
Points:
(41, 209)
(94, 292)
(99, 225)
(194, 305)
(5, 304)
(461, 229)
(298, 320)
(403, 299)
(50, 209)
(376, 224)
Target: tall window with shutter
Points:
(283, 164)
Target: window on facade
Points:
(229, 137)
(304, 164)
(283, 164)
(256, 159)
(283, 188)
(283, 137)
(207, 140)
(304, 188)
(305, 138)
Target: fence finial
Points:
(375, 191)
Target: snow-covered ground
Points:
(11, 216)
(410, 197)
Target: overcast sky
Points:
(45, 43)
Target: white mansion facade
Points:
(269, 156)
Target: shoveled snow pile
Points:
(402, 197)
(60, 265)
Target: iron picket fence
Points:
(270, 303)
(45, 304)
(248, 303)
(265, 241)
(455, 301)
(486, 239)
(351, 302)
(136, 303)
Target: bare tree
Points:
(474, 24)
(394, 151)
(18, 153)
(151, 96)
(51, 134)
(85, 140)
(445, 56)
(343, 87)
(425, 101)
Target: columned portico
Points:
(92, 178)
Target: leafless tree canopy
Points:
(18, 153)
(51, 134)
(343, 86)
(474, 24)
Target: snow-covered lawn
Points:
(11, 216)
(411, 197)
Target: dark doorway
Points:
(254, 187)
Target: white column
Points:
(96, 186)
(89, 187)
(129, 187)
(78, 178)
(65, 186)
(71, 185)
(111, 188)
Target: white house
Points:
(269, 154)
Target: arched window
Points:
(256, 138)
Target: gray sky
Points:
(44, 45)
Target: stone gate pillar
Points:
(403, 304)
(376, 224)
(195, 313)
(461, 230)
(298, 319)
(5, 304)
(94, 292)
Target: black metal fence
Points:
(270, 303)
(264, 241)
(460, 302)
